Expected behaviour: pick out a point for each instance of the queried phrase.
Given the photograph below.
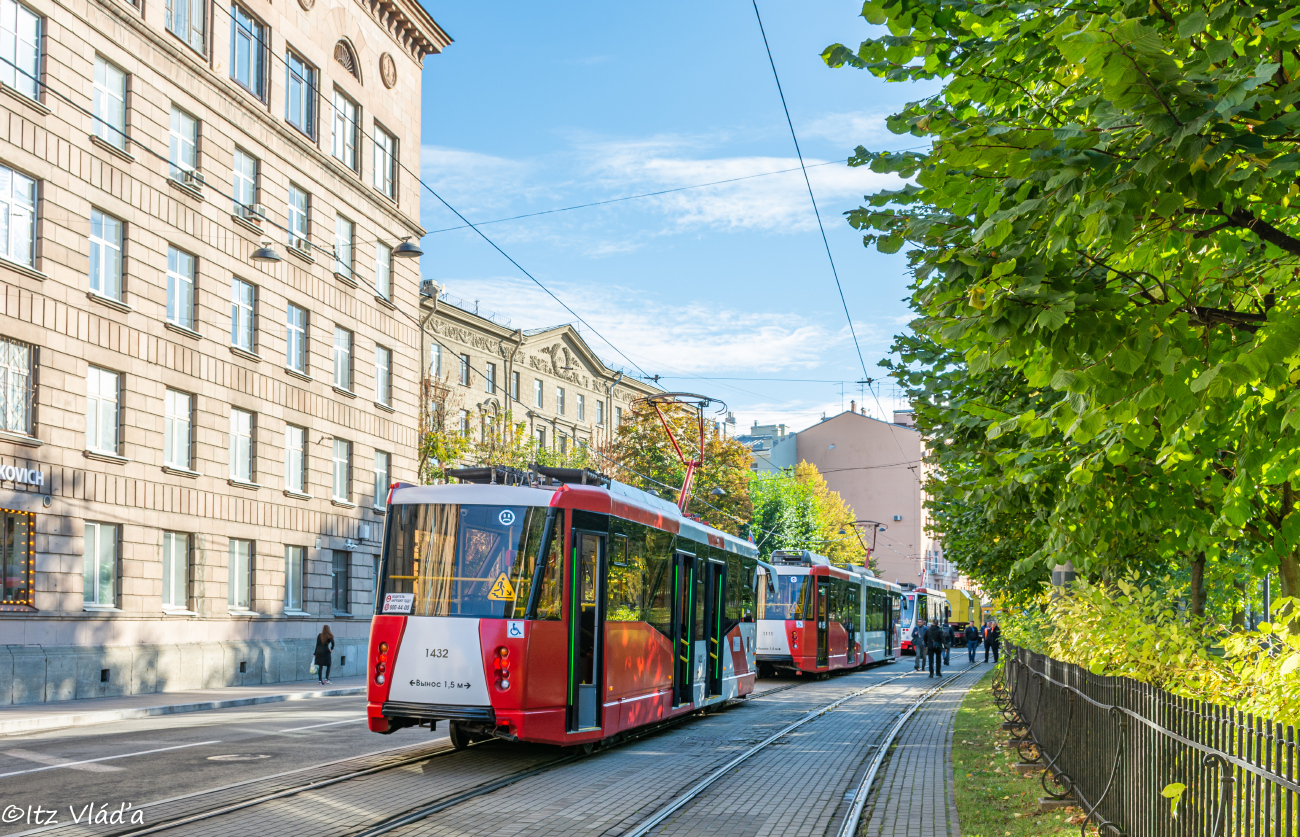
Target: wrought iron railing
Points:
(1142, 762)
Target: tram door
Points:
(683, 636)
(586, 629)
(715, 589)
(823, 621)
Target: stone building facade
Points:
(547, 378)
(194, 436)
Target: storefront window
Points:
(17, 531)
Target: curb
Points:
(87, 718)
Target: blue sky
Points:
(541, 106)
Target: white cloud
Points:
(851, 129)
(475, 182)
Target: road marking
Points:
(52, 761)
(106, 758)
(330, 724)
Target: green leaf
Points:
(1192, 24)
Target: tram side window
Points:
(740, 588)
(624, 591)
(547, 605)
(658, 601)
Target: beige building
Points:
(195, 436)
(547, 378)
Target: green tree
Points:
(1105, 211)
(798, 510)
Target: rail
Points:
(1143, 762)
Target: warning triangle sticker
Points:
(501, 590)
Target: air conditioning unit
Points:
(254, 213)
(191, 178)
(300, 244)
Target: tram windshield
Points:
(462, 560)
(787, 600)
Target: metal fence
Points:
(1122, 750)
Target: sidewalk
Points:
(37, 717)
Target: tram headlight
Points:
(503, 685)
(379, 679)
(381, 668)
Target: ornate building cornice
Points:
(410, 25)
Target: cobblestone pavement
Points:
(913, 796)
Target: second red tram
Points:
(562, 614)
(816, 617)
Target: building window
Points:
(490, 378)
(17, 554)
(183, 150)
(514, 387)
(248, 51)
(345, 130)
(180, 288)
(300, 109)
(176, 570)
(188, 20)
(17, 392)
(385, 162)
(243, 308)
(541, 437)
(241, 445)
(559, 400)
(20, 42)
(110, 103)
(298, 214)
(239, 593)
(537, 393)
(295, 338)
(384, 376)
(564, 444)
(618, 416)
(383, 464)
(245, 177)
(344, 233)
(293, 560)
(178, 412)
(600, 411)
(581, 404)
(17, 215)
(435, 360)
(340, 581)
(102, 392)
(464, 370)
(100, 574)
(295, 458)
(341, 487)
(105, 255)
(347, 59)
(342, 358)
(384, 270)
(463, 423)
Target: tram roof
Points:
(618, 499)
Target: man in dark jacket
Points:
(949, 640)
(988, 629)
(995, 640)
(918, 645)
(972, 641)
(934, 637)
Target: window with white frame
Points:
(463, 423)
(17, 392)
(541, 437)
(105, 255)
(341, 484)
(346, 120)
(20, 45)
(383, 375)
(383, 465)
(344, 235)
(178, 412)
(99, 576)
(537, 393)
(618, 416)
(176, 570)
(239, 590)
(580, 403)
(295, 338)
(17, 217)
(340, 582)
(564, 443)
(464, 370)
(103, 390)
(514, 387)
(559, 400)
(243, 309)
(435, 360)
(600, 411)
(384, 270)
(342, 358)
(490, 378)
(110, 103)
(180, 288)
(300, 107)
(183, 144)
(242, 425)
(385, 162)
(294, 556)
(244, 182)
(298, 214)
(295, 458)
(248, 40)
(188, 20)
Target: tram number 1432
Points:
(435, 652)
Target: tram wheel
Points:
(460, 738)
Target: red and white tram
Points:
(817, 617)
(920, 605)
(563, 614)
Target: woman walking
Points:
(324, 647)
